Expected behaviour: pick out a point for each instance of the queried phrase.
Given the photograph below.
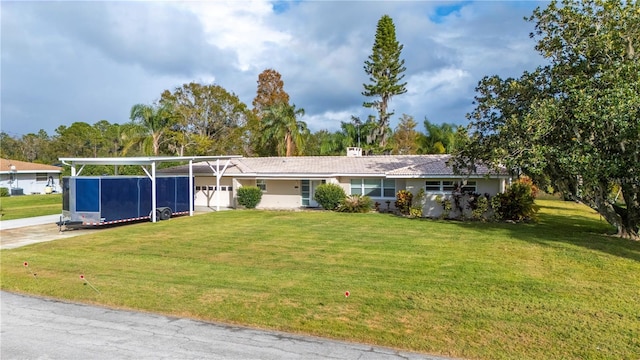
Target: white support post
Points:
(191, 198)
(218, 175)
(153, 192)
(73, 169)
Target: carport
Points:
(218, 165)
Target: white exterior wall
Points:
(28, 183)
(433, 208)
(281, 194)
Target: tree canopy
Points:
(575, 123)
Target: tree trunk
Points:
(289, 143)
(631, 215)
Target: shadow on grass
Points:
(559, 225)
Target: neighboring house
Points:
(22, 177)
(290, 182)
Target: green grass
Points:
(18, 207)
(559, 289)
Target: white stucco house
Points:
(22, 177)
(290, 182)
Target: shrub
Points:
(417, 204)
(479, 206)
(4, 192)
(329, 196)
(447, 206)
(516, 204)
(403, 201)
(249, 196)
(355, 204)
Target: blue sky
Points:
(64, 62)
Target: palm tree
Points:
(439, 139)
(280, 122)
(152, 122)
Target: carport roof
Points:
(140, 160)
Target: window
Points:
(449, 186)
(41, 177)
(377, 188)
(262, 184)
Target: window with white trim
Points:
(41, 177)
(376, 188)
(262, 184)
(448, 186)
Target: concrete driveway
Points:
(38, 328)
(21, 232)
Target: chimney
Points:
(354, 151)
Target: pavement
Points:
(21, 232)
(40, 328)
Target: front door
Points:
(308, 189)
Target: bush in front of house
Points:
(4, 192)
(329, 196)
(249, 196)
(355, 204)
(403, 201)
(516, 204)
(417, 204)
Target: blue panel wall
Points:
(182, 194)
(119, 198)
(87, 195)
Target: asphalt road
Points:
(38, 328)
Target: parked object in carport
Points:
(104, 200)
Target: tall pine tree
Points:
(385, 69)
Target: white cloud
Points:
(86, 61)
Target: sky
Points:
(85, 61)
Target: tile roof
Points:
(23, 166)
(316, 166)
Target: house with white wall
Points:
(22, 177)
(290, 182)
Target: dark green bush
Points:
(4, 192)
(249, 196)
(329, 196)
(355, 204)
(516, 204)
(403, 201)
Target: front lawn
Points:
(558, 289)
(18, 207)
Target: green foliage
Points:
(405, 138)
(403, 201)
(516, 204)
(209, 120)
(417, 204)
(280, 123)
(329, 196)
(249, 196)
(479, 207)
(385, 70)
(438, 139)
(573, 123)
(447, 206)
(355, 204)
(4, 192)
